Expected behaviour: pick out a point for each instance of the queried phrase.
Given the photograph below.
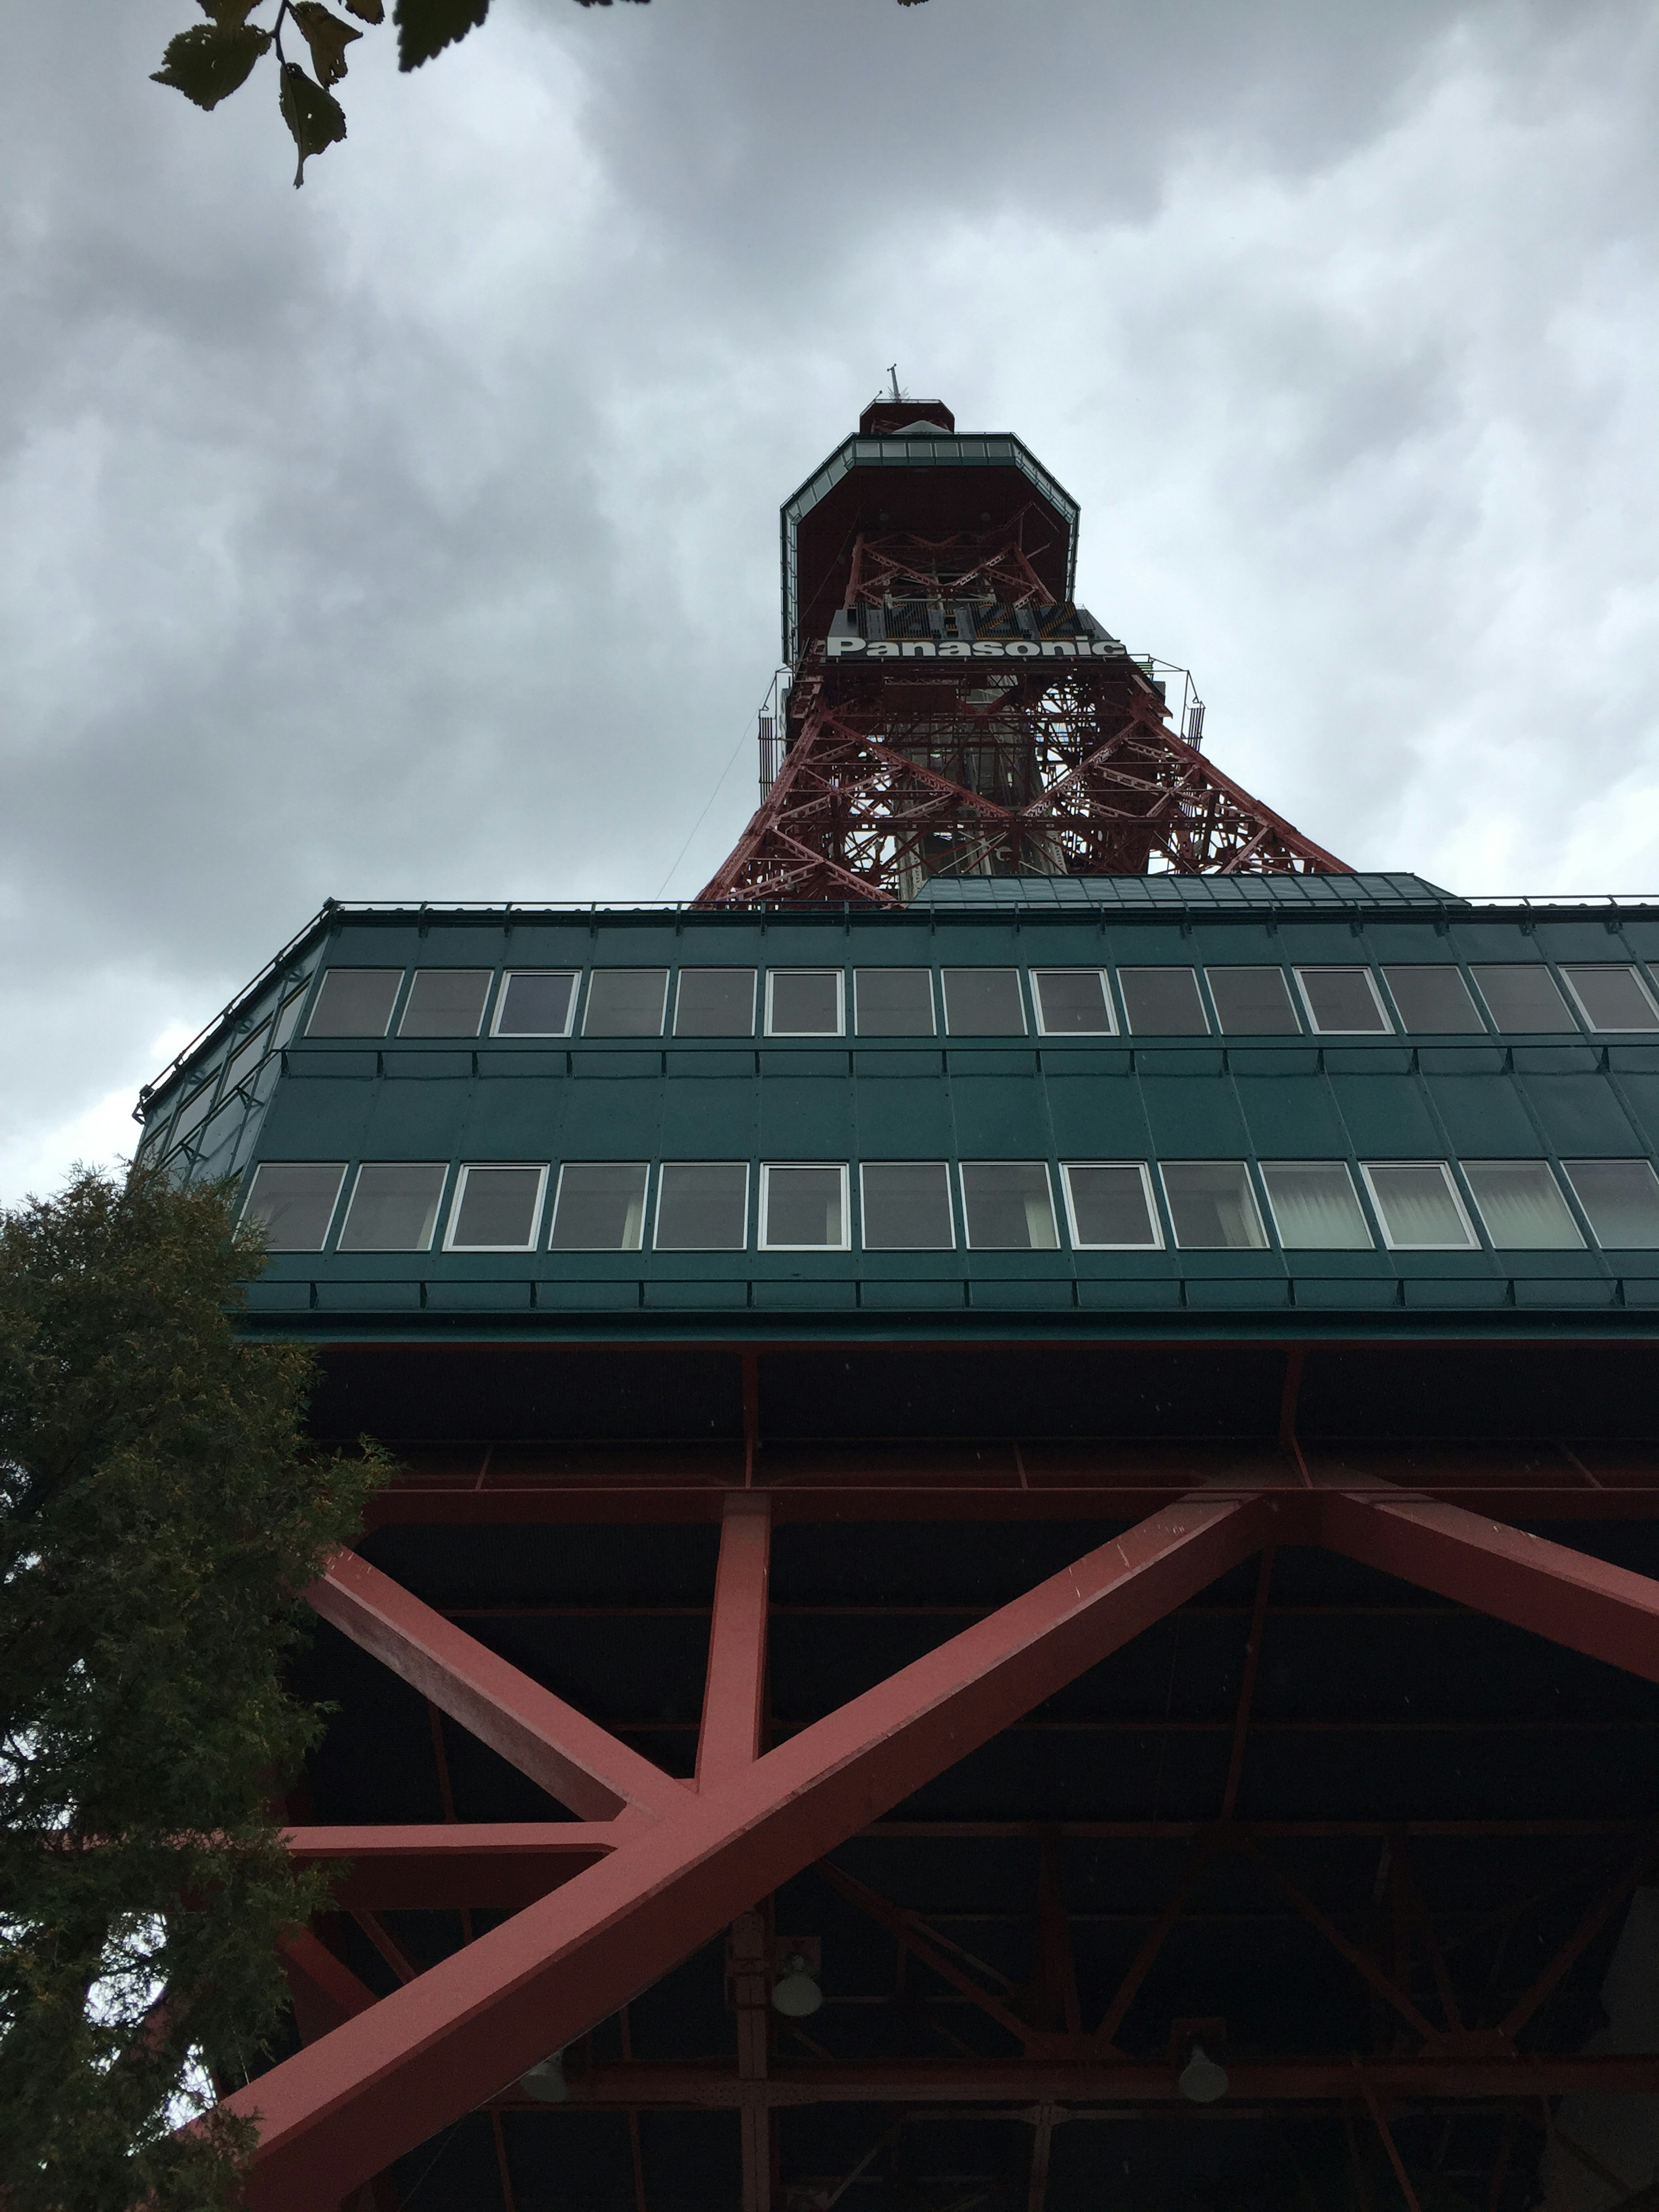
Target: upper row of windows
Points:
(799, 1002)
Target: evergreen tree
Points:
(160, 1507)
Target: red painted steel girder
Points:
(342, 2109)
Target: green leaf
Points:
(425, 28)
(311, 115)
(367, 11)
(208, 63)
(327, 38)
(230, 14)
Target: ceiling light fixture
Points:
(1201, 2081)
(795, 1994)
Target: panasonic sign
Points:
(980, 648)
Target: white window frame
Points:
(507, 975)
(1104, 974)
(1153, 1215)
(1345, 967)
(1264, 1221)
(1628, 968)
(464, 1175)
(1271, 1217)
(1476, 1243)
(967, 1219)
(908, 968)
(646, 1213)
(764, 1244)
(335, 1217)
(998, 967)
(656, 1206)
(715, 967)
(950, 1207)
(620, 1037)
(438, 1212)
(840, 975)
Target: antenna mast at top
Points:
(893, 373)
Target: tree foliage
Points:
(160, 1508)
(214, 58)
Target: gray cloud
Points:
(415, 535)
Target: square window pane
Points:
(1111, 1206)
(625, 1002)
(536, 1002)
(1213, 1206)
(803, 1208)
(1434, 1002)
(1252, 1002)
(446, 1002)
(1622, 1198)
(246, 1059)
(287, 1021)
(496, 1209)
(702, 1206)
(1008, 1207)
(906, 1206)
(1342, 1001)
(894, 1001)
(1524, 999)
(1612, 998)
(1163, 1002)
(715, 1002)
(1419, 1208)
(600, 1207)
(1521, 1205)
(294, 1202)
(803, 1002)
(394, 1206)
(355, 1002)
(1072, 1002)
(195, 1109)
(984, 1002)
(1316, 1206)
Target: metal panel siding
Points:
(705, 1121)
(618, 1121)
(806, 1117)
(1484, 1116)
(1290, 1117)
(1580, 1113)
(999, 1117)
(1641, 1096)
(902, 1119)
(1102, 1117)
(1194, 1117)
(1387, 1116)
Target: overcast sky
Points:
(414, 535)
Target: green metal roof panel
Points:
(1141, 893)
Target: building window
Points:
(394, 1206)
(893, 1002)
(906, 1205)
(1252, 1002)
(1072, 1002)
(536, 1002)
(1163, 1002)
(1611, 997)
(1212, 1206)
(246, 1057)
(287, 1019)
(1523, 1000)
(600, 1207)
(1418, 1205)
(1315, 1206)
(702, 1206)
(496, 1209)
(1008, 1205)
(1108, 1206)
(805, 1002)
(194, 1111)
(625, 1002)
(355, 1002)
(1434, 1002)
(446, 1002)
(1342, 1001)
(1620, 1199)
(293, 1201)
(715, 1002)
(1521, 1205)
(984, 1002)
(803, 1206)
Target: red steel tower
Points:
(952, 711)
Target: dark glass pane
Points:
(1417, 1206)
(702, 1206)
(1163, 1001)
(805, 1002)
(1315, 1206)
(355, 1002)
(394, 1208)
(1252, 1002)
(446, 1002)
(894, 1001)
(906, 1206)
(1434, 1001)
(1613, 999)
(497, 1209)
(1212, 1206)
(1109, 1207)
(1622, 1198)
(1342, 1001)
(294, 1202)
(804, 1205)
(1008, 1205)
(1523, 1000)
(984, 1002)
(715, 1002)
(600, 1207)
(625, 1002)
(1072, 1001)
(536, 1002)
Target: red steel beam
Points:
(573, 1759)
(483, 1862)
(1027, 2082)
(1606, 1612)
(342, 2109)
(734, 1689)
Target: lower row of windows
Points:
(907, 1206)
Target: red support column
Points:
(342, 2109)
(734, 1691)
(579, 1763)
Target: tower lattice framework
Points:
(958, 715)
